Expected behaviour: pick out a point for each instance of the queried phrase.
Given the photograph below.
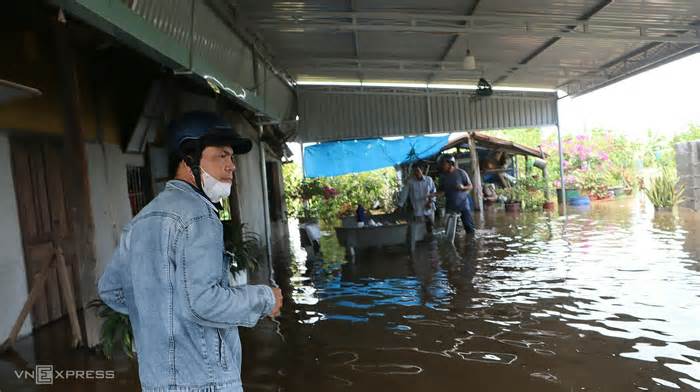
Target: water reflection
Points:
(603, 299)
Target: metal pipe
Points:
(561, 169)
(430, 111)
(266, 207)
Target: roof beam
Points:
(467, 74)
(389, 64)
(549, 27)
(301, 17)
(649, 57)
(585, 17)
(355, 40)
(455, 38)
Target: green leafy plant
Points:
(116, 332)
(514, 194)
(665, 191)
(328, 199)
(534, 201)
(594, 182)
(244, 246)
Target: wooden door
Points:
(38, 170)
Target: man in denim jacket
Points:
(170, 275)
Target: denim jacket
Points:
(170, 276)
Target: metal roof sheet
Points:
(572, 44)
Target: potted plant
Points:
(571, 188)
(513, 197)
(533, 196)
(244, 251)
(664, 191)
(594, 183)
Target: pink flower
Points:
(603, 156)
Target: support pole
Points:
(561, 170)
(58, 261)
(77, 187)
(545, 177)
(266, 207)
(542, 165)
(429, 111)
(476, 180)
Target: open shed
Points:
(489, 157)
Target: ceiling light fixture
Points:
(469, 61)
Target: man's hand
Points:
(278, 302)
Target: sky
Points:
(665, 100)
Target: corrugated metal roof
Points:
(193, 37)
(354, 113)
(406, 45)
(548, 37)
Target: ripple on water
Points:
(612, 280)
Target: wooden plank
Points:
(37, 257)
(53, 192)
(68, 296)
(23, 190)
(37, 169)
(77, 188)
(53, 295)
(31, 299)
(54, 179)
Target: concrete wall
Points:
(688, 167)
(13, 278)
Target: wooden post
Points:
(37, 284)
(545, 176)
(527, 166)
(67, 290)
(77, 188)
(59, 261)
(476, 177)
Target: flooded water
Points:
(604, 299)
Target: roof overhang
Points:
(572, 45)
(198, 39)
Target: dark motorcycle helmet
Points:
(205, 129)
(192, 132)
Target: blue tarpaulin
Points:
(353, 156)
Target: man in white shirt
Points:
(418, 190)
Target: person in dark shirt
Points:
(456, 185)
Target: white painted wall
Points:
(109, 198)
(13, 278)
(249, 180)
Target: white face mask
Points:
(213, 188)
